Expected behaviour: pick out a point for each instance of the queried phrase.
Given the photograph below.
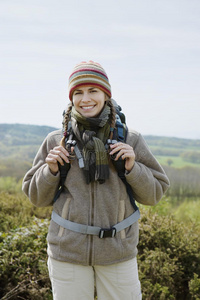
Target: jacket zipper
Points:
(91, 222)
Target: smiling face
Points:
(88, 101)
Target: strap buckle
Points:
(104, 233)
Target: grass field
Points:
(178, 161)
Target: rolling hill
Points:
(19, 144)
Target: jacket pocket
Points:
(64, 215)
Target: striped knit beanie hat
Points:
(89, 74)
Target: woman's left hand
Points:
(126, 152)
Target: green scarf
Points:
(92, 135)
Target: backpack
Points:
(119, 134)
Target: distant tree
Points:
(184, 182)
(191, 156)
(170, 161)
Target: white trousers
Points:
(113, 282)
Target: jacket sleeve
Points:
(39, 184)
(147, 178)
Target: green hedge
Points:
(168, 258)
(23, 263)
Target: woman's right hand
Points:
(57, 154)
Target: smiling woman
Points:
(93, 234)
(88, 101)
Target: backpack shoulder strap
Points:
(64, 169)
(120, 135)
(63, 174)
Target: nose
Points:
(85, 97)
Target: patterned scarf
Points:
(91, 135)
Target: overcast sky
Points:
(150, 50)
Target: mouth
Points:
(89, 107)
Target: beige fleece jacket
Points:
(94, 204)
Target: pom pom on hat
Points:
(89, 74)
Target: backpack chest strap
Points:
(94, 230)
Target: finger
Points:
(120, 147)
(125, 154)
(120, 154)
(60, 155)
(116, 147)
(113, 146)
(128, 155)
(54, 159)
(61, 149)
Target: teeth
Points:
(87, 107)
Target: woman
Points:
(94, 196)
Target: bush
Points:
(168, 253)
(14, 166)
(23, 271)
(23, 263)
(169, 256)
(194, 287)
(10, 185)
(16, 210)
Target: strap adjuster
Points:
(104, 233)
